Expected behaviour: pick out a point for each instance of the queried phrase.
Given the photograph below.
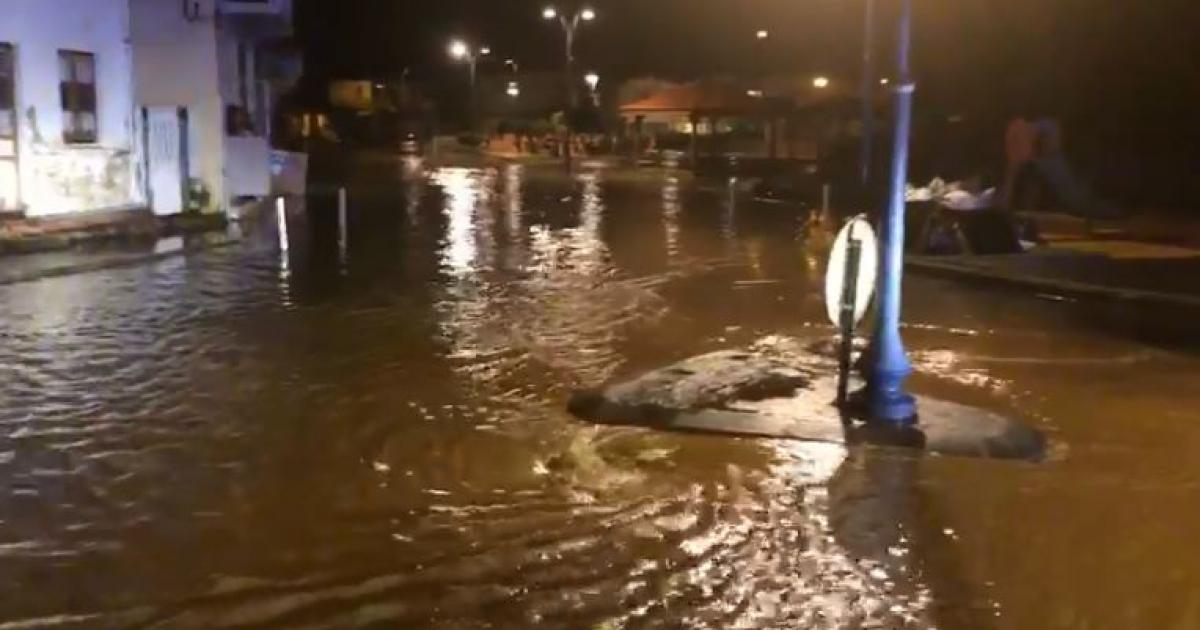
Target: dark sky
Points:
(1069, 43)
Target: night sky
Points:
(1078, 45)
(1124, 73)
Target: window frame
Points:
(78, 98)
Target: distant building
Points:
(523, 96)
(381, 114)
(208, 78)
(799, 118)
(67, 126)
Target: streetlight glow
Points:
(587, 15)
(883, 81)
(820, 82)
(549, 13)
(762, 34)
(592, 79)
(514, 89)
(485, 51)
(458, 49)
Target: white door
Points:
(164, 157)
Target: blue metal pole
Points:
(868, 100)
(887, 400)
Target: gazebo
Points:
(700, 106)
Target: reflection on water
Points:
(261, 437)
(670, 214)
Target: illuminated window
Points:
(77, 84)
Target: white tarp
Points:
(951, 195)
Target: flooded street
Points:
(370, 431)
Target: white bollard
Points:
(281, 218)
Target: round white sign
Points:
(859, 230)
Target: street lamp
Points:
(760, 56)
(461, 51)
(569, 25)
(820, 82)
(592, 80)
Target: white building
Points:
(67, 126)
(208, 74)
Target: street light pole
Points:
(569, 26)
(593, 81)
(461, 51)
(887, 400)
(762, 37)
(868, 91)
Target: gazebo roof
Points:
(702, 97)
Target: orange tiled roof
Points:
(697, 97)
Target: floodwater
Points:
(367, 430)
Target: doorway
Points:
(166, 158)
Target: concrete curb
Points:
(112, 262)
(1073, 288)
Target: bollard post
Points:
(848, 304)
(281, 221)
(343, 227)
(826, 193)
(888, 402)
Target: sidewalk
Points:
(1162, 281)
(31, 267)
(55, 233)
(1150, 259)
(1145, 226)
(31, 249)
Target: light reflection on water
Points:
(233, 439)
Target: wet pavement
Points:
(371, 432)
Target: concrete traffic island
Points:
(782, 388)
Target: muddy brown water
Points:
(372, 434)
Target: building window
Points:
(8, 105)
(77, 83)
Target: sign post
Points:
(849, 283)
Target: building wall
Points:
(238, 85)
(57, 177)
(192, 61)
(175, 65)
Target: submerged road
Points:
(372, 432)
